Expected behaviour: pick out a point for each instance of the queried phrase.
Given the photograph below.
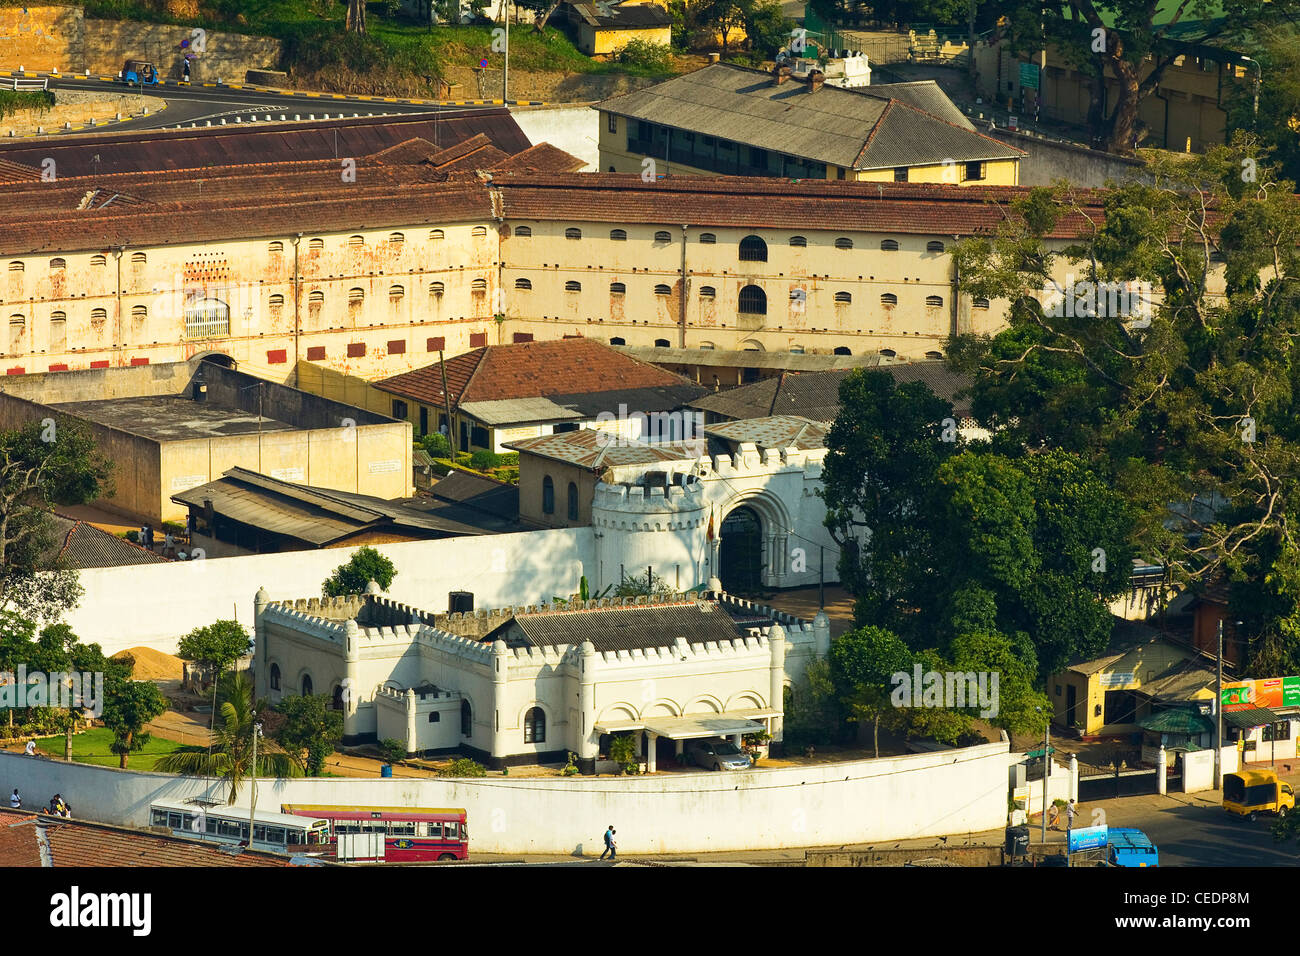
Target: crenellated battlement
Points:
(300, 617)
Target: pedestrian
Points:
(15, 801)
(1069, 816)
(169, 546)
(610, 846)
(30, 750)
(187, 69)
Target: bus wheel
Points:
(1253, 816)
(446, 856)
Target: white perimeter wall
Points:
(574, 129)
(154, 605)
(892, 798)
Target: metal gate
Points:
(1127, 783)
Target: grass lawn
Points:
(92, 747)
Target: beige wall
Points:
(530, 492)
(599, 42)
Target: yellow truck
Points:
(1249, 793)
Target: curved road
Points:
(204, 104)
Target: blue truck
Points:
(1130, 847)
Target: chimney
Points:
(780, 73)
(815, 79)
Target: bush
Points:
(646, 56)
(623, 750)
(393, 750)
(436, 444)
(463, 767)
(483, 460)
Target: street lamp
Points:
(252, 803)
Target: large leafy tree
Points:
(128, 706)
(43, 464)
(1190, 412)
(310, 730)
(862, 665)
(231, 754)
(217, 645)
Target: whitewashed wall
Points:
(154, 605)
(865, 801)
(574, 129)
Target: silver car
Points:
(718, 755)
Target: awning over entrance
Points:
(1246, 719)
(703, 725)
(618, 726)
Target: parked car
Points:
(139, 73)
(718, 755)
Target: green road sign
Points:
(1029, 75)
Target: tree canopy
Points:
(364, 566)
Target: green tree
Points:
(43, 464)
(311, 729)
(231, 753)
(217, 645)
(1196, 403)
(766, 27)
(128, 706)
(647, 585)
(463, 767)
(1020, 707)
(365, 565)
(862, 668)
(392, 750)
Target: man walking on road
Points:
(610, 846)
(1069, 818)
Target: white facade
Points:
(384, 677)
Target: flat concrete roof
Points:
(171, 417)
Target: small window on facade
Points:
(708, 238)
(613, 123)
(572, 233)
(753, 249)
(616, 340)
(573, 501)
(306, 685)
(478, 232)
(843, 297)
(617, 235)
(356, 294)
(275, 248)
(397, 346)
(435, 343)
(98, 260)
(663, 344)
(523, 232)
(396, 292)
(843, 242)
(356, 349)
(888, 353)
(974, 171)
(548, 496)
(521, 336)
(662, 289)
(888, 245)
(277, 356)
(436, 235)
(934, 300)
(437, 288)
(276, 301)
(934, 245)
(708, 292)
(889, 299)
(466, 719)
(57, 265)
(573, 286)
(98, 315)
(799, 242)
(663, 236)
(356, 242)
(842, 350)
(523, 284)
(900, 174)
(477, 340)
(980, 303)
(138, 258)
(396, 238)
(706, 345)
(478, 285)
(934, 356)
(315, 353)
(316, 298)
(434, 717)
(535, 726)
(617, 288)
(316, 245)
(275, 677)
(139, 312)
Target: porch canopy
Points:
(695, 726)
(1251, 718)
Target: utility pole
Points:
(821, 578)
(1218, 714)
(505, 73)
(252, 806)
(1047, 767)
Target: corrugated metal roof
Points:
(1253, 717)
(840, 127)
(82, 546)
(776, 431)
(623, 628)
(519, 411)
(589, 448)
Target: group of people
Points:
(57, 807)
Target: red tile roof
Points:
(528, 370)
(18, 846)
(542, 158)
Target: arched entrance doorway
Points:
(740, 551)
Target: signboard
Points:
(1020, 794)
(1087, 838)
(186, 482)
(1267, 692)
(1029, 75)
(289, 474)
(385, 467)
(1117, 679)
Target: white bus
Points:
(277, 832)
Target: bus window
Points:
(259, 832)
(275, 835)
(449, 830)
(464, 832)
(402, 829)
(236, 830)
(175, 820)
(319, 833)
(158, 818)
(212, 826)
(435, 830)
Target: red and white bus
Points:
(411, 834)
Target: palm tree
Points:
(231, 755)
